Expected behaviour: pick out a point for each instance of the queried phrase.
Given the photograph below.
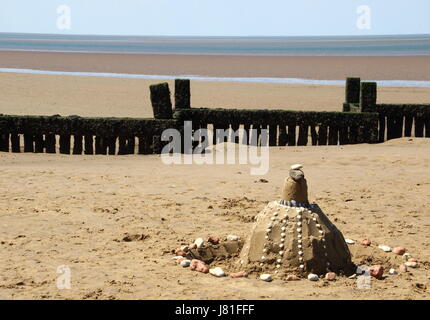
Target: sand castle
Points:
(291, 236)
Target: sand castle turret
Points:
(293, 236)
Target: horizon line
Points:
(220, 36)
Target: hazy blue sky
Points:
(216, 17)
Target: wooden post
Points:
(352, 90)
(291, 135)
(273, 133)
(322, 136)
(131, 142)
(15, 141)
(122, 149)
(408, 125)
(89, 140)
(427, 125)
(182, 94)
(283, 135)
(4, 142)
(303, 135)
(112, 146)
(333, 135)
(419, 126)
(65, 144)
(368, 96)
(314, 135)
(28, 143)
(50, 142)
(343, 135)
(381, 132)
(246, 132)
(77, 144)
(39, 143)
(160, 100)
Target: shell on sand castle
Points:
(289, 239)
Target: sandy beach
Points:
(114, 220)
(77, 210)
(94, 96)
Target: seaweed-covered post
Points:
(160, 100)
(352, 90)
(28, 143)
(368, 96)
(303, 135)
(4, 142)
(182, 94)
(50, 141)
(282, 135)
(322, 135)
(15, 142)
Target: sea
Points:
(387, 45)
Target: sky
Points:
(217, 17)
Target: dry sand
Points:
(93, 96)
(75, 211)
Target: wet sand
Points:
(324, 68)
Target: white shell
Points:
(313, 277)
(299, 229)
(281, 245)
(185, 263)
(300, 253)
(199, 242)
(299, 223)
(278, 266)
(283, 235)
(266, 277)
(283, 228)
(275, 213)
(217, 272)
(232, 237)
(299, 217)
(411, 264)
(279, 260)
(299, 246)
(349, 241)
(263, 257)
(296, 166)
(384, 248)
(281, 253)
(393, 271)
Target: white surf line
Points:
(382, 83)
